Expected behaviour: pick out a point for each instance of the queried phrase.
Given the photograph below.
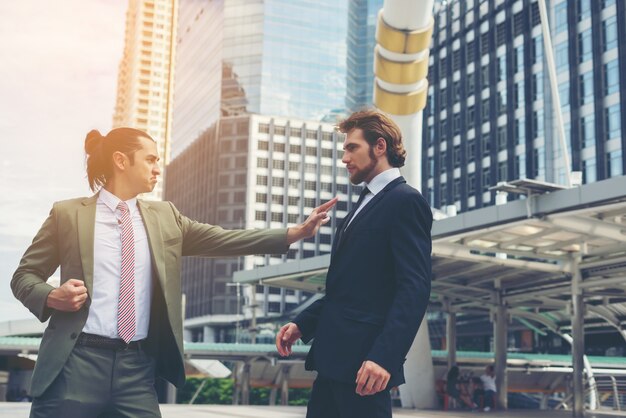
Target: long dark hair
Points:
(99, 151)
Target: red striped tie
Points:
(126, 307)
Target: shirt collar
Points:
(111, 201)
(379, 182)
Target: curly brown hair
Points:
(374, 125)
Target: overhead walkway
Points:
(259, 365)
(555, 260)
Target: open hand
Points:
(312, 224)
(70, 297)
(371, 378)
(285, 338)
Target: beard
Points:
(359, 176)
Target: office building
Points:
(490, 115)
(144, 88)
(254, 171)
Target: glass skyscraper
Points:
(277, 57)
(362, 18)
(490, 115)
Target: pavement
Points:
(20, 410)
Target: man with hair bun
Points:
(378, 281)
(115, 321)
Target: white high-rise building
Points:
(145, 80)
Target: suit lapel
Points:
(155, 239)
(86, 221)
(370, 205)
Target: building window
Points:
(609, 33)
(607, 3)
(295, 149)
(588, 131)
(442, 99)
(470, 117)
(539, 156)
(564, 93)
(262, 162)
(520, 166)
(560, 13)
(264, 128)
(500, 34)
(471, 183)
(278, 181)
(261, 180)
(586, 87)
(273, 307)
(311, 134)
(589, 171)
(430, 166)
(484, 43)
(519, 94)
(584, 9)
(518, 59)
(518, 24)
(485, 110)
(501, 138)
(537, 86)
(471, 150)
(456, 124)
(263, 145)
(261, 198)
(456, 91)
(502, 171)
(538, 123)
(277, 217)
(442, 162)
(614, 163)
(613, 123)
(486, 178)
(279, 130)
(520, 131)
(443, 198)
(456, 154)
(537, 48)
(278, 164)
(501, 68)
(561, 57)
(278, 199)
(486, 145)
(611, 77)
(456, 60)
(456, 189)
(279, 147)
(584, 46)
(485, 75)
(470, 84)
(260, 215)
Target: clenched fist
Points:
(70, 297)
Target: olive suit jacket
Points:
(66, 239)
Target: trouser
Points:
(332, 399)
(101, 382)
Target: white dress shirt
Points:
(377, 184)
(107, 264)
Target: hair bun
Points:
(93, 141)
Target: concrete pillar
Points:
(451, 338)
(208, 334)
(419, 390)
(245, 384)
(236, 383)
(284, 385)
(500, 335)
(578, 341)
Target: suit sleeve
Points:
(411, 258)
(38, 263)
(206, 240)
(307, 319)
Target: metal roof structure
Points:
(527, 250)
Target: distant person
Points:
(457, 390)
(378, 281)
(115, 321)
(489, 386)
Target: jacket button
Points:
(73, 336)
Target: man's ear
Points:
(119, 160)
(380, 147)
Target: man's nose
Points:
(345, 158)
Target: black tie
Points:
(364, 193)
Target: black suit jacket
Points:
(377, 288)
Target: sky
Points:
(58, 80)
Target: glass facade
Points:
(490, 96)
(273, 57)
(362, 18)
(289, 57)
